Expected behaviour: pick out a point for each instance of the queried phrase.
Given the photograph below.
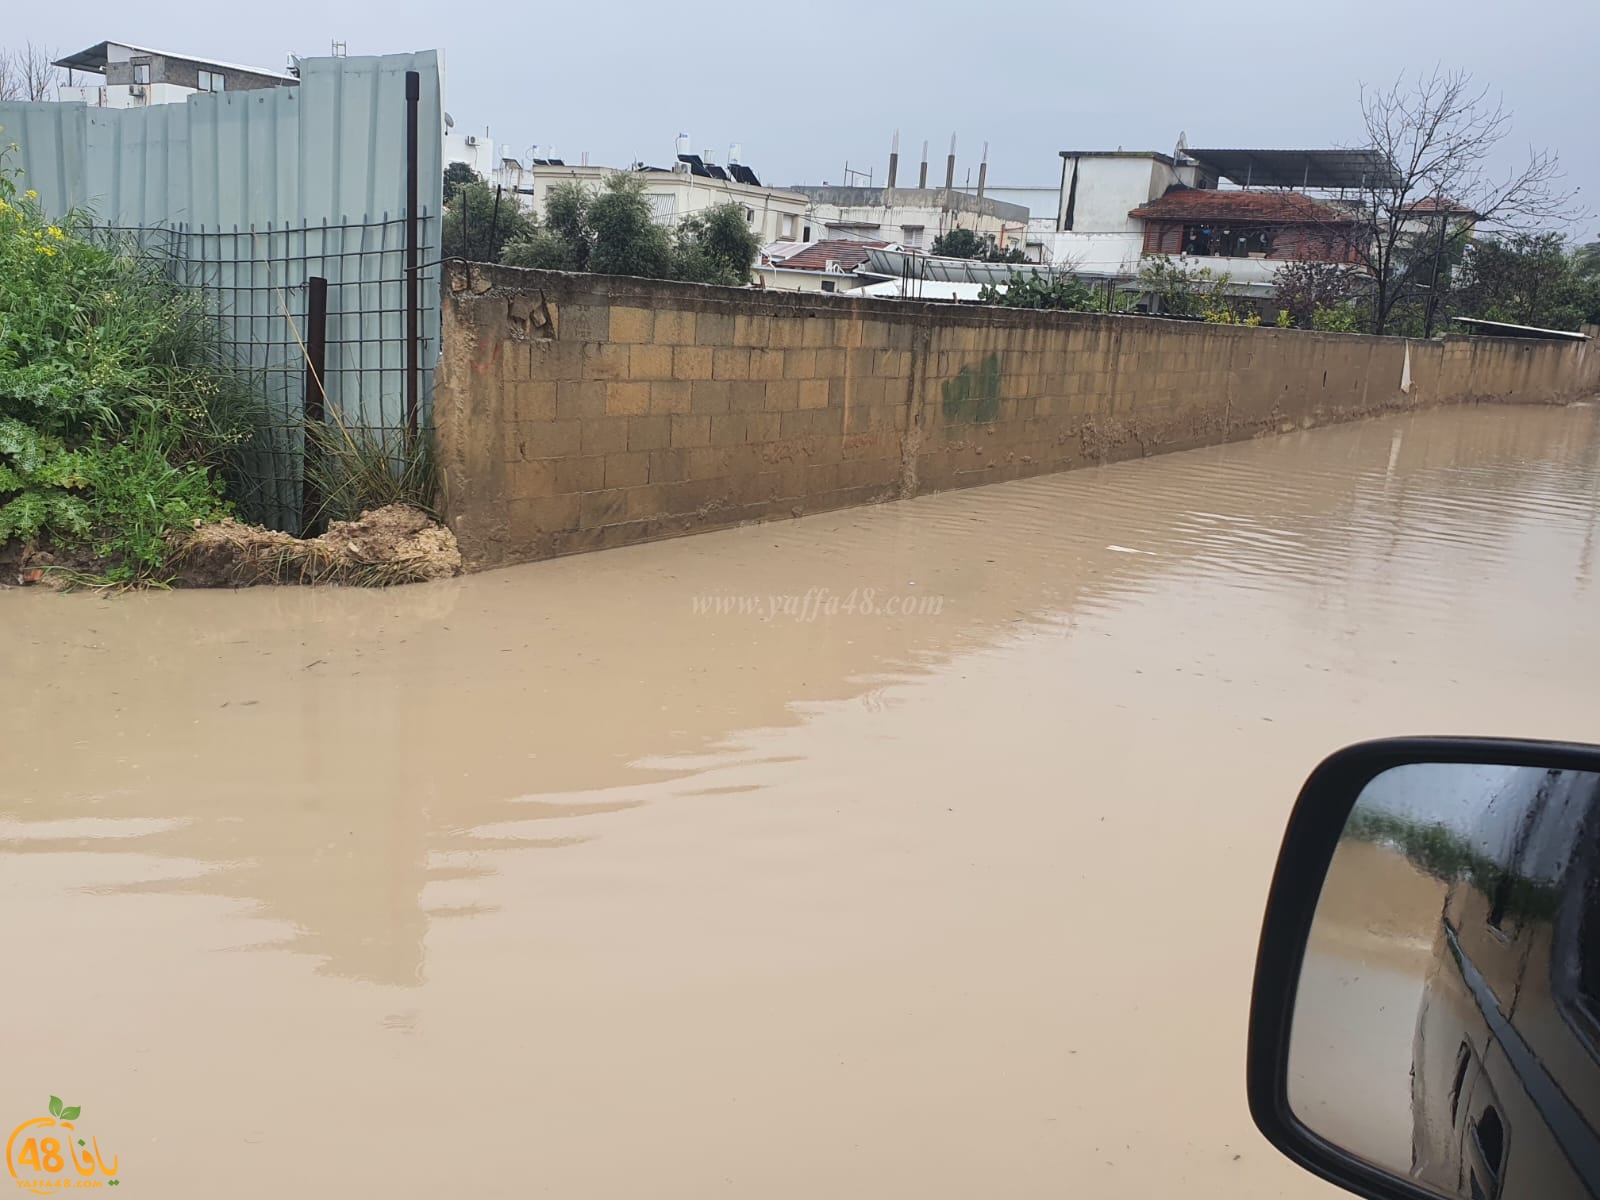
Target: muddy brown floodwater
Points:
(544, 883)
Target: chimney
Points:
(894, 159)
(950, 176)
(922, 180)
(983, 170)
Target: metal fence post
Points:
(413, 317)
(316, 396)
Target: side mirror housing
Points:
(1425, 1019)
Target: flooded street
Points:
(559, 881)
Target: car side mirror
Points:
(1425, 1020)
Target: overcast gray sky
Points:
(806, 87)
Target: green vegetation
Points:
(1059, 292)
(1301, 288)
(1448, 856)
(1339, 318)
(478, 227)
(119, 422)
(456, 175)
(355, 470)
(964, 243)
(611, 230)
(1180, 291)
(1529, 279)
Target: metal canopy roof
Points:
(1299, 168)
(95, 58)
(1506, 329)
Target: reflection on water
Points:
(809, 883)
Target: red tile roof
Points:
(845, 254)
(1432, 204)
(1212, 204)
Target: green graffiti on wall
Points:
(973, 396)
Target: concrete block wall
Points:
(574, 412)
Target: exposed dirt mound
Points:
(394, 544)
(59, 567)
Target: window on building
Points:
(141, 72)
(749, 216)
(912, 236)
(828, 285)
(212, 81)
(1214, 238)
(786, 226)
(806, 237)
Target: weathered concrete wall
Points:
(580, 411)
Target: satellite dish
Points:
(449, 121)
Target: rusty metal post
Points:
(316, 398)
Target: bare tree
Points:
(1440, 133)
(28, 74)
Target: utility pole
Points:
(1433, 286)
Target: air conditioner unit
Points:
(136, 89)
(472, 139)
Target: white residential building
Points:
(124, 76)
(1117, 208)
(912, 217)
(474, 149)
(1094, 233)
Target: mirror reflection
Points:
(1448, 1015)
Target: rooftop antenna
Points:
(340, 49)
(853, 176)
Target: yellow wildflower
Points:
(55, 232)
(42, 249)
(30, 194)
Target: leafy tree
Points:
(1304, 287)
(566, 215)
(478, 228)
(716, 246)
(565, 241)
(960, 243)
(613, 231)
(627, 240)
(456, 175)
(1528, 279)
(543, 250)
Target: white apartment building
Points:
(912, 217)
